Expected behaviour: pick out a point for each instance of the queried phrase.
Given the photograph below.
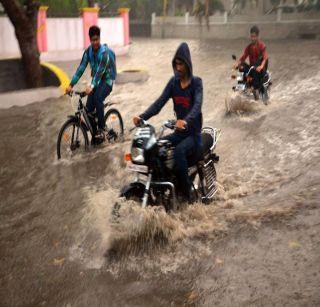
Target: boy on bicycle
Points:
(103, 73)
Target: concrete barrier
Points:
(278, 25)
(66, 34)
(236, 30)
(25, 97)
(13, 90)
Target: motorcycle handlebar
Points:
(141, 124)
(170, 124)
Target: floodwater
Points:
(257, 244)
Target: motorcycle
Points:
(151, 159)
(244, 82)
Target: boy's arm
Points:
(244, 56)
(80, 70)
(156, 107)
(264, 58)
(101, 70)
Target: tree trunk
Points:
(91, 3)
(207, 13)
(24, 21)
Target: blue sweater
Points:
(187, 102)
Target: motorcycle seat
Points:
(207, 142)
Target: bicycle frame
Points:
(83, 116)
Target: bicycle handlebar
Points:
(81, 94)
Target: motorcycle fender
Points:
(133, 190)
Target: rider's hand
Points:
(69, 89)
(136, 120)
(89, 90)
(181, 124)
(259, 68)
(235, 66)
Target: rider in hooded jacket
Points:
(186, 91)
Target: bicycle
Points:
(73, 135)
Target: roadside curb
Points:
(24, 97)
(60, 74)
(132, 75)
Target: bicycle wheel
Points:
(114, 125)
(72, 139)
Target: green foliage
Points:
(214, 6)
(64, 7)
(140, 9)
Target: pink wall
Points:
(42, 29)
(124, 13)
(90, 18)
(67, 34)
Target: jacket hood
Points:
(183, 53)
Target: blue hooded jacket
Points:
(187, 102)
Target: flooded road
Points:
(257, 244)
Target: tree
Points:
(24, 20)
(91, 3)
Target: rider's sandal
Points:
(100, 135)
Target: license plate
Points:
(137, 168)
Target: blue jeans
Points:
(96, 99)
(185, 146)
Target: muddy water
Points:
(257, 244)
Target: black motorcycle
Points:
(244, 82)
(151, 158)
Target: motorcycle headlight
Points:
(240, 76)
(137, 155)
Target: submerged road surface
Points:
(257, 244)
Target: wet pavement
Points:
(256, 244)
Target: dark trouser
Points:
(96, 99)
(256, 76)
(184, 148)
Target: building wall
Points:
(238, 30)
(8, 43)
(63, 34)
(273, 26)
(112, 31)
